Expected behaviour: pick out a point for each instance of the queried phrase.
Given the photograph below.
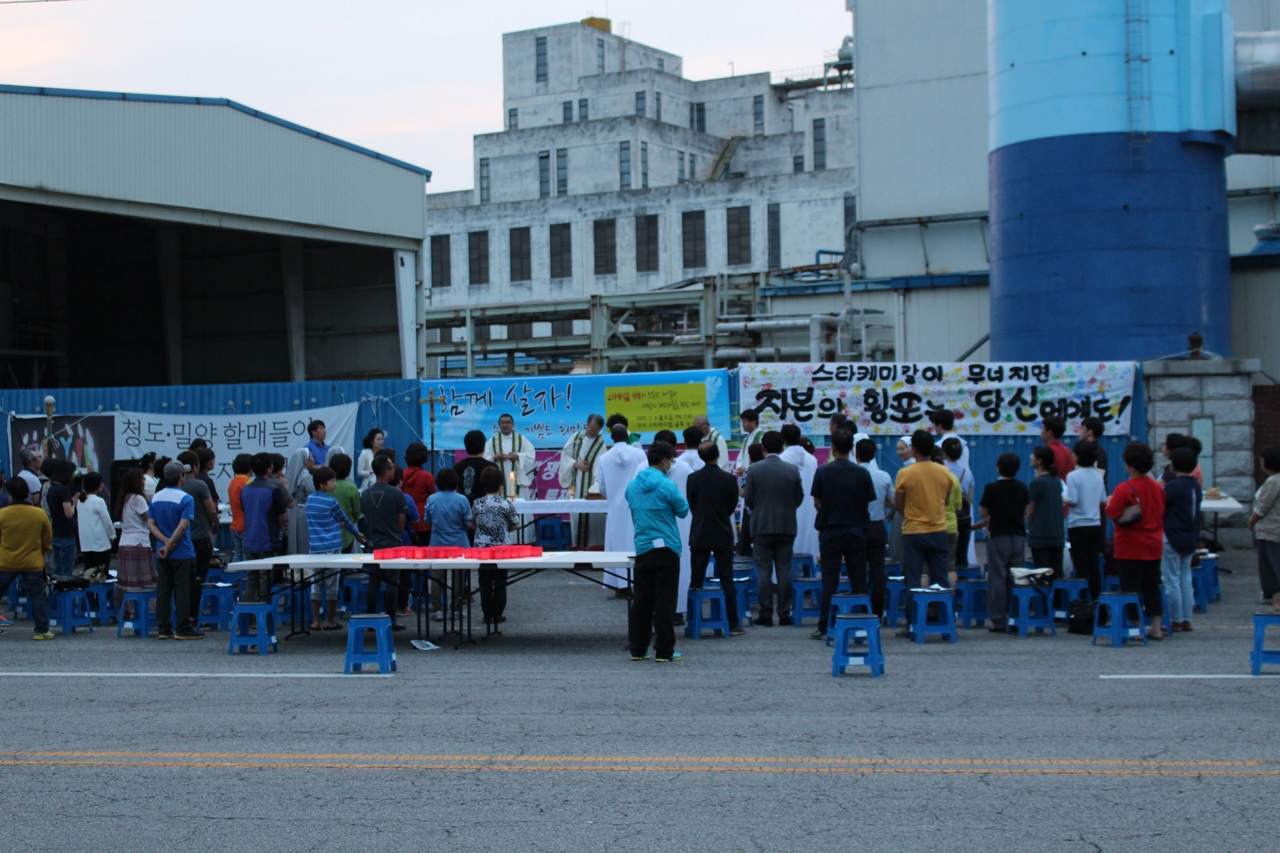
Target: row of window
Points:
(693, 224)
(540, 59)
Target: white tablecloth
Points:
(1226, 503)
(528, 507)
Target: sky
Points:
(413, 79)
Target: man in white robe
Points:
(615, 469)
(516, 455)
(751, 434)
(713, 435)
(577, 468)
(806, 513)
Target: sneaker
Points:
(189, 635)
(437, 615)
(818, 634)
(675, 656)
(641, 657)
(737, 632)
(42, 635)
(5, 623)
(164, 635)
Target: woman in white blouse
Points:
(96, 532)
(364, 465)
(137, 567)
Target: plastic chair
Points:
(216, 606)
(70, 610)
(1066, 591)
(803, 566)
(143, 619)
(384, 652)
(895, 589)
(1029, 609)
(552, 534)
(973, 602)
(842, 604)
(102, 599)
(850, 628)
(263, 633)
(945, 624)
(1116, 607)
(1261, 654)
(713, 617)
(807, 600)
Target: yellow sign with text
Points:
(649, 408)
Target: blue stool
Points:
(553, 534)
(716, 617)
(1166, 621)
(945, 624)
(142, 621)
(844, 603)
(102, 597)
(354, 596)
(1210, 562)
(1029, 608)
(384, 653)
(262, 613)
(70, 610)
(807, 599)
(1066, 591)
(1116, 606)
(973, 602)
(1261, 654)
(803, 566)
(850, 628)
(1201, 588)
(740, 587)
(216, 606)
(895, 589)
(969, 573)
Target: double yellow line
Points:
(643, 764)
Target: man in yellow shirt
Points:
(25, 537)
(920, 495)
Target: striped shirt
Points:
(325, 523)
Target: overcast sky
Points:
(414, 79)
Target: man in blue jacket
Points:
(655, 504)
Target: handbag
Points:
(1132, 514)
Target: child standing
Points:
(1045, 534)
(494, 518)
(96, 530)
(1004, 510)
(325, 523)
(346, 493)
(1181, 535)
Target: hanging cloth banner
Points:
(988, 398)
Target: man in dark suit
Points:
(713, 496)
(842, 493)
(772, 493)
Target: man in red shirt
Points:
(1051, 430)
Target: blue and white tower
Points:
(1109, 124)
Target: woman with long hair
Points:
(149, 479)
(364, 465)
(137, 568)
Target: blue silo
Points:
(1109, 124)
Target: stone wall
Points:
(1222, 389)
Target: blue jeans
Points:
(63, 558)
(1175, 572)
(237, 546)
(34, 582)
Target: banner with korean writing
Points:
(229, 435)
(549, 409)
(988, 398)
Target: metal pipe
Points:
(748, 353)
(773, 325)
(1258, 69)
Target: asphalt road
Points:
(550, 738)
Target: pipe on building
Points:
(756, 353)
(1258, 69)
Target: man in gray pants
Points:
(772, 493)
(1004, 513)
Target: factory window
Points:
(624, 165)
(561, 251)
(605, 234)
(679, 167)
(644, 165)
(657, 106)
(797, 164)
(441, 263)
(519, 331)
(662, 65)
(819, 144)
(757, 114)
(521, 255)
(693, 228)
(561, 328)
(698, 117)
(647, 243)
(640, 103)
(513, 119)
(693, 173)
(582, 109)
(850, 225)
(775, 237)
(738, 235)
(478, 257)
(599, 56)
(484, 180)
(540, 59)
(544, 174)
(562, 171)
(566, 108)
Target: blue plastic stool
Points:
(216, 606)
(354, 595)
(1029, 609)
(922, 626)
(969, 573)
(740, 587)
(552, 534)
(264, 633)
(803, 566)
(1201, 589)
(852, 628)
(1261, 654)
(714, 618)
(69, 610)
(807, 599)
(384, 653)
(844, 603)
(1116, 605)
(1210, 562)
(142, 621)
(973, 602)
(1066, 591)
(895, 589)
(102, 598)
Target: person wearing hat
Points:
(172, 512)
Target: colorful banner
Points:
(549, 409)
(137, 433)
(87, 440)
(988, 398)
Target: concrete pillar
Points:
(295, 306)
(169, 257)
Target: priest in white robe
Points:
(615, 469)
(516, 455)
(577, 472)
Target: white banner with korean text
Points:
(988, 398)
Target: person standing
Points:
(172, 511)
(468, 470)
(95, 530)
(713, 497)
(920, 494)
(1045, 533)
(751, 434)
(242, 468)
(686, 463)
(655, 503)
(25, 537)
(1265, 524)
(955, 458)
(326, 522)
(61, 505)
(203, 524)
(877, 534)
(713, 435)
(842, 494)
(772, 493)
(262, 502)
(944, 421)
(1139, 547)
(516, 455)
(618, 466)
(577, 467)
(372, 443)
(316, 447)
(383, 505)
(1182, 496)
(419, 484)
(1091, 429)
(31, 460)
(1004, 514)
(806, 516)
(1051, 432)
(347, 494)
(1086, 495)
(495, 518)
